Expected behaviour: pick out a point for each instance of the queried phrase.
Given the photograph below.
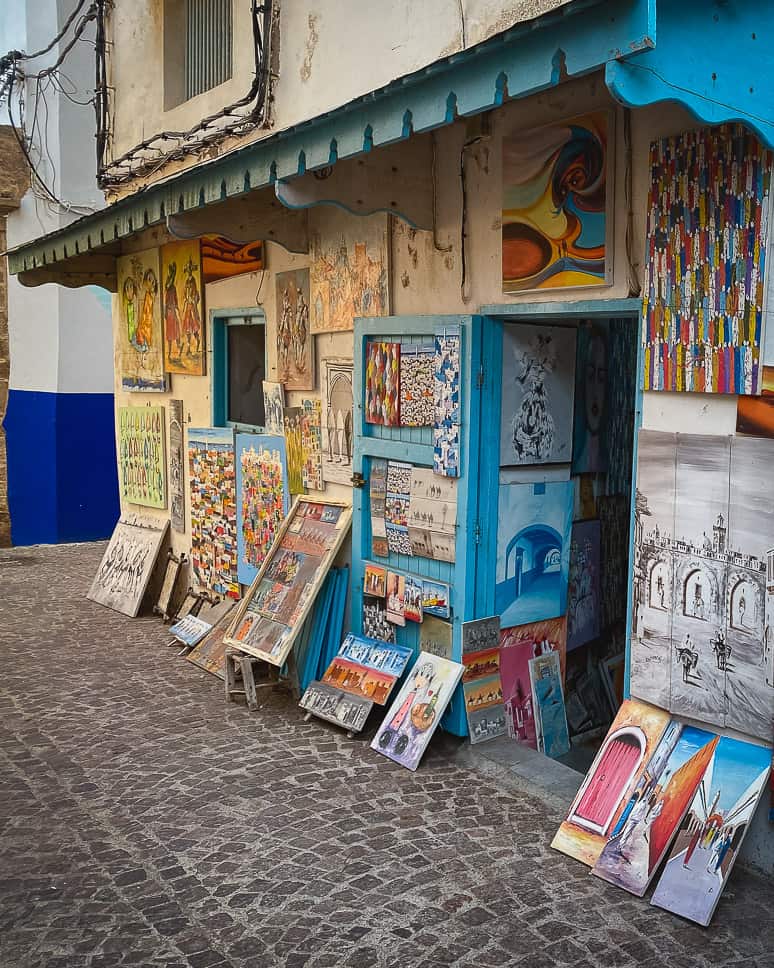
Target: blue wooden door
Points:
(415, 445)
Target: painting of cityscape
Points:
(708, 228)
(704, 579)
(264, 498)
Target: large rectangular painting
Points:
(349, 275)
(183, 308)
(176, 465)
(382, 383)
(656, 808)
(557, 199)
(337, 432)
(417, 709)
(263, 498)
(295, 343)
(127, 565)
(583, 598)
(710, 836)
(707, 237)
(538, 364)
(447, 402)
(140, 343)
(607, 788)
(533, 551)
(142, 456)
(212, 478)
(702, 593)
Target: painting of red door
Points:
(606, 787)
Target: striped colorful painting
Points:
(707, 231)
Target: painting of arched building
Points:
(659, 574)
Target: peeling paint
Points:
(404, 279)
(449, 262)
(310, 47)
(413, 255)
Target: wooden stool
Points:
(238, 666)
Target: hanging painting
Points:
(213, 509)
(337, 432)
(481, 634)
(417, 709)
(755, 416)
(417, 365)
(707, 237)
(432, 515)
(140, 346)
(223, 259)
(533, 551)
(709, 839)
(311, 445)
(589, 446)
(557, 196)
(545, 674)
(655, 808)
(435, 637)
(483, 695)
(382, 383)
(435, 598)
(376, 625)
(263, 498)
(537, 395)
(349, 275)
(377, 493)
(183, 308)
(583, 604)
(176, 465)
(396, 506)
(446, 403)
(295, 344)
(142, 456)
(127, 565)
(375, 581)
(274, 408)
(606, 791)
(413, 604)
(294, 437)
(396, 598)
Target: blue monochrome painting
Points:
(533, 551)
(375, 654)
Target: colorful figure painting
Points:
(140, 345)
(589, 447)
(545, 675)
(183, 308)
(417, 364)
(337, 432)
(263, 498)
(538, 364)
(413, 604)
(349, 276)
(533, 551)
(127, 565)
(607, 788)
(176, 465)
(295, 344)
(446, 403)
(483, 695)
(702, 604)
(655, 808)
(417, 709)
(708, 841)
(212, 478)
(223, 259)
(583, 602)
(382, 383)
(556, 185)
(294, 437)
(142, 456)
(708, 231)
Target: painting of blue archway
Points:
(533, 551)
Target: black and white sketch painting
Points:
(704, 579)
(337, 403)
(537, 395)
(176, 465)
(336, 706)
(127, 565)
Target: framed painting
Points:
(223, 259)
(127, 565)
(417, 368)
(337, 406)
(295, 343)
(263, 498)
(142, 455)
(140, 348)
(349, 276)
(271, 616)
(183, 308)
(557, 224)
(382, 383)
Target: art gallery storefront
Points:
(518, 501)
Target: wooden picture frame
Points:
(285, 642)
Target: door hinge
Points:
(358, 480)
(480, 377)
(477, 533)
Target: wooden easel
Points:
(239, 668)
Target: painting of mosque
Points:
(533, 551)
(704, 579)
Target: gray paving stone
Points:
(145, 822)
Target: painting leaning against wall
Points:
(140, 346)
(176, 465)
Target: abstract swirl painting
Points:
(555, 205)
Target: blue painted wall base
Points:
(62, 478)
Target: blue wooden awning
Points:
(709, 56)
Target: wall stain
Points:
(404, 279)
(311, 46)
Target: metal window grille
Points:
(209, 44)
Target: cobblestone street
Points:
(145, 822)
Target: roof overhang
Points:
(685, 62)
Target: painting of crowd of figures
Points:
(704, 579)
